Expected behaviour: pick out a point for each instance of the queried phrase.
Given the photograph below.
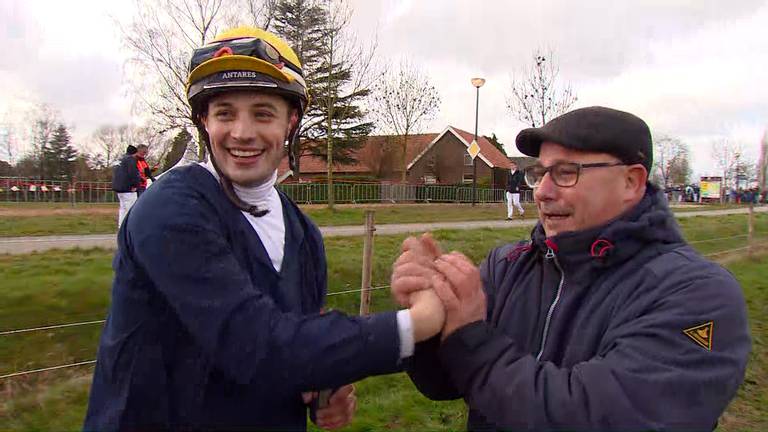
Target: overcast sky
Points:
(695, 69)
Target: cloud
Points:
(592, 38)
(65, 54)
(690, 68)
(694, 69)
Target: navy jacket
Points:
(126, 175)
(587, 331)
(204, 334)
(514, 181)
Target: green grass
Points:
(687, 207)
(55, 205)
(19, 226)
(71, 286)
(105, 223)
(101, 222)
(749, 410)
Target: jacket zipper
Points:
(551, 255)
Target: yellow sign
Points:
(702, 334)
(710, 189)
(473, 149)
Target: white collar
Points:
(254, 195)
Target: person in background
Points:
(514, 181)
(126, 180)
(144, 170)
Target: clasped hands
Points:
(442, 291)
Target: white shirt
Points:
(271, 227)
(271, 230)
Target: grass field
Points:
(36, 220)
(40, 219)
(72, 286)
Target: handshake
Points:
(443, 292)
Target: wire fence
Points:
(93, 322)
(28, 190)
(757, 242)
(34, 371)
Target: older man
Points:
(605, 319)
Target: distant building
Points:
(432, 158)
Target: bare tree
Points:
(762, 165)
(259, 13)
(404, 100)
(7, 142)
(108, 144)
(671, 161)
(727, 155)
(161, 37)
(536, 96)
(46, 119)
(17, 130)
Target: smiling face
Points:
(247, 131)
(600, 195)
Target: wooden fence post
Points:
(750, 230)
(365, 292)
(72, 191)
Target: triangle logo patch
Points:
(702, 334)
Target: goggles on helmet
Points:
(252, 47)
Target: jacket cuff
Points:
(382, 346)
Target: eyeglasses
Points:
(563, 174)
(251, 47)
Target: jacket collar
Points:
(649, 224)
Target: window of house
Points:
(467, 159)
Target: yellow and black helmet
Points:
(245, 58)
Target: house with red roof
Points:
(431, 158)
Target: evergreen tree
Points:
(307, 25)
(42, 132)
(59, 155)
(178, 147)
(6, 169)
(495, 141)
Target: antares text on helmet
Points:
(240, 74)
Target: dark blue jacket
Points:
(125, 176)
(587, 331)
(515, 181)
(204, 334)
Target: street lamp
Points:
(477, 82)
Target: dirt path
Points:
(24, 245)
